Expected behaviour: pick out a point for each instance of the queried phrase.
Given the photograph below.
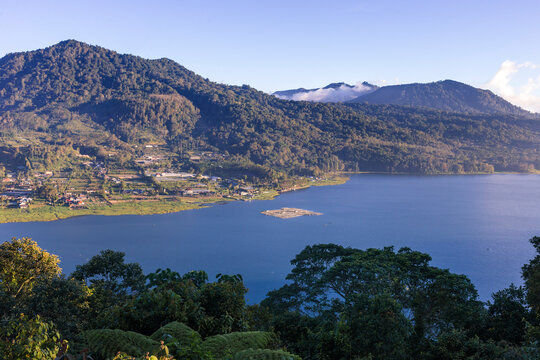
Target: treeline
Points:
(338, 303)
(88, 93)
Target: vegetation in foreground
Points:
(338, 303)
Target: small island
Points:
(289, 213)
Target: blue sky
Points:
(273, 45)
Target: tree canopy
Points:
(338, 303)
(22, 264)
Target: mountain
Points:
(335, 92)
(105, 104)
(447, 95)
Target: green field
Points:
(336, 180)
(49, 213)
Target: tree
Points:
(370, 327)
(28, 338)
(22, 265)
(151, 309)
(223, 303)
(332, 283)
(48, 192)
(210, 308)
(66, 302)
(108, 272)
(531, 275)
(111, 281)
(197, 277)
(309, 274)
(162, 278)
(507, 315)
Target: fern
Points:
(175, 331)
(264, 354)
(108, 343)
(184, 340)
(229, 344)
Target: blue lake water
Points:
(477, 225)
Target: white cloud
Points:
(340, 94)
(525, 95)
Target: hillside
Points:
(92, 98)
(447, 95)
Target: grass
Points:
(49, 213)
(266, 195)
(335, 180)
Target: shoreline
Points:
(438, 174)
(52, 213)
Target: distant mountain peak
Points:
(447, 95)
(70, 42)
(73, 44)
(337, 85)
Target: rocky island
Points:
(288, 213)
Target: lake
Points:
(477, 225)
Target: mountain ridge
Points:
(446, 95)
(96, 98)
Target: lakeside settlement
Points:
(153, 183)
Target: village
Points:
(151, 177)
(147, 179)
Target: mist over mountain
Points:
(96, 99)
(335, 92)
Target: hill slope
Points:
(92, 98)
(447, 95)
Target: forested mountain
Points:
(445, 95)
(93, 97)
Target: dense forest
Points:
(337, 303)
(93, 98)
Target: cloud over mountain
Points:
(526, 95)
(337, 92)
